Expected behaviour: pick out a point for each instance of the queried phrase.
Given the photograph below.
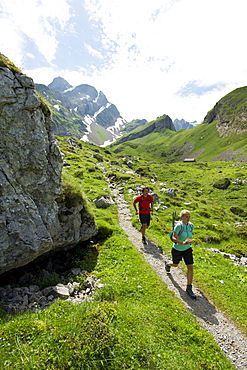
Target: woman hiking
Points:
(182, 238)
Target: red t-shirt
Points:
(144, 203)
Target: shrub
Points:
(71, 195)
(79, 174)
(238, 250)
(104, 230)
(5, 62)
(222, 183)
(44, 105)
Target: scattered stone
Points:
(130, 164)
(237, 182)
(13, 300)
(239, 260)
(103, 202)
(98, 157)
(114, 163)
(156, 197)
(170, 192)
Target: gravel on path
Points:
(229, 338)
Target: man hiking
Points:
(146, 202)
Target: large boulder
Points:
(222, 183)
(30, 178)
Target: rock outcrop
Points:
(230, 112)
(30, 179)
(159, 125)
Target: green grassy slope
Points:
(231, 109)
(220, 220)
(202, 142)
(223, 136)
(134, 322)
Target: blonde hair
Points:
(184, 212)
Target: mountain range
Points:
(181, 124)
(220, 137)
(85, 113)
(82, 112)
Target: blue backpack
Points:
(180, 231)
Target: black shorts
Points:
(144, 218)
(187, 255)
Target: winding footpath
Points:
(230, 339)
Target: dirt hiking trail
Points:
(230, 339)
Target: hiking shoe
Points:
(167, 267)
(144, 240)
(190, 292)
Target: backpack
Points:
(180, 231)
(142, 199)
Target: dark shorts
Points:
(187, 255)
(144, 218)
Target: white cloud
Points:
(151, 50)
(163, 45)
(33, 19)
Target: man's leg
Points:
(143, 229)
(145, 221)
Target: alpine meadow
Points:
(131, 320)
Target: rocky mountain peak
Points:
(59, 84)
(181, 124)
(159, 125)
(82, 112)
(86, 90)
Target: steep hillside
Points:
(82, 112)
(222, 136)
(201, 143)
(134, 124)
(230, 112)
(160, 125)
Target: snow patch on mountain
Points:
(101, 109)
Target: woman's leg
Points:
(189, 274)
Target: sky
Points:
(150, 58)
